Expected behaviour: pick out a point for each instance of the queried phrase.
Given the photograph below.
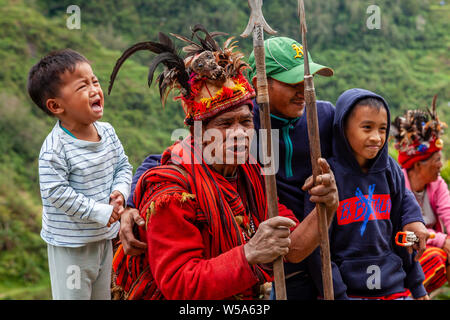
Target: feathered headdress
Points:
(417, 135)
(209, 78)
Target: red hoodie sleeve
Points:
(178, 261)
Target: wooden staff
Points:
(314, 147)
(257, 25)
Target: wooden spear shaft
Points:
(257, 25)
(314, 147)
(270, 180)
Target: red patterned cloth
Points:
(434, 262)
(195, 242)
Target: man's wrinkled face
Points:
(227, 137)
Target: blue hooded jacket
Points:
(373, 206)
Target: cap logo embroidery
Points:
(298, 51)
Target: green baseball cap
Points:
(284, 61)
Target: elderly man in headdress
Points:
(206, 227)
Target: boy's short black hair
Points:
(44, 77)
(370, 102)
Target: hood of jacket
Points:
(342, 150)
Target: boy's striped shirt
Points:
(76, 179)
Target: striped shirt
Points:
(76, 179)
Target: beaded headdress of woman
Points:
(209, 78)
(417, 135)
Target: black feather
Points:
(166, 57)
(147, 45)
(208, 42)
(174, 71)
(165, 41)
(183, 38)
(217, 33)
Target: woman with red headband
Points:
(417, 137)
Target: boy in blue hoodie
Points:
(366, 261)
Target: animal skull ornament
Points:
(205, 65)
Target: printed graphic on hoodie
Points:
(364, 208)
